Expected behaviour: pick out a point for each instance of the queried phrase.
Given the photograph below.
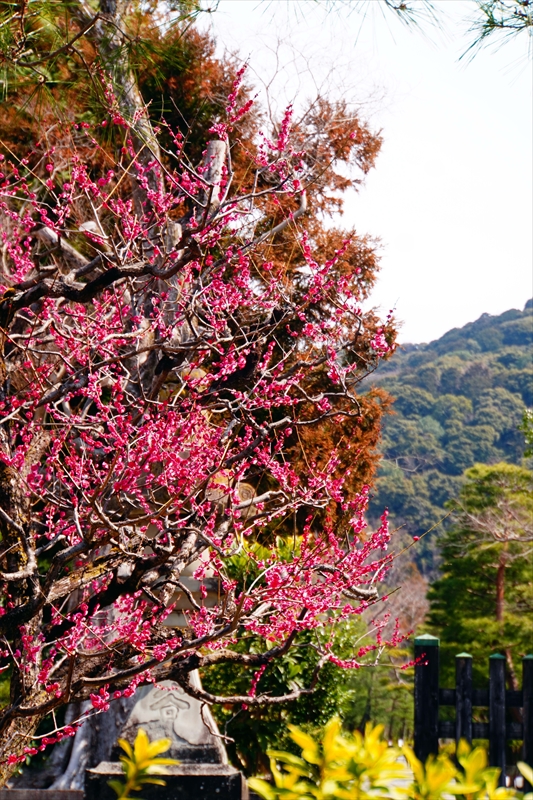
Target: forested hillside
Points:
(459, 400)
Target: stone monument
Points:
(165, 711)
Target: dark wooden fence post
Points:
(463, 697)
(426, 696)
(527, 711)
(497, 737)
(429, 696)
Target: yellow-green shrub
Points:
(141, 763)
(364, 767)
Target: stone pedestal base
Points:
(184, 782)
(41, 794)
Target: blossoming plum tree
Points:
(159, 365)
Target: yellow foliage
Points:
(364, 767)
(140, 763)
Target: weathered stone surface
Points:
(186, 782)
(41, 794)
(166, 711)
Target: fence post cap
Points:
(497, 655)
(463, 655)
(427, 639)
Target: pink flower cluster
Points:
(154, 422)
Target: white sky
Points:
(451, 197)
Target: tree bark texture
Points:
(500, 591)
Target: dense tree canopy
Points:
(182, 343)
(483, 603)
(459, 400)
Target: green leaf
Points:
(262, 788)
(117, 787)
(526, 771)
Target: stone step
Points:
(184, 782)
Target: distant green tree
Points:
(413, 402)
(482, 379)
(356, 697)
(527, 429)
(483, 603)
(453, 410)
(383, 696)
(476, 379)
(468, 445)
(427, 378)
(413, 443)
(520, 381)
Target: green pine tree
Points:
(483, 602)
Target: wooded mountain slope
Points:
(459, 401)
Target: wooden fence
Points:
(429, 696)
